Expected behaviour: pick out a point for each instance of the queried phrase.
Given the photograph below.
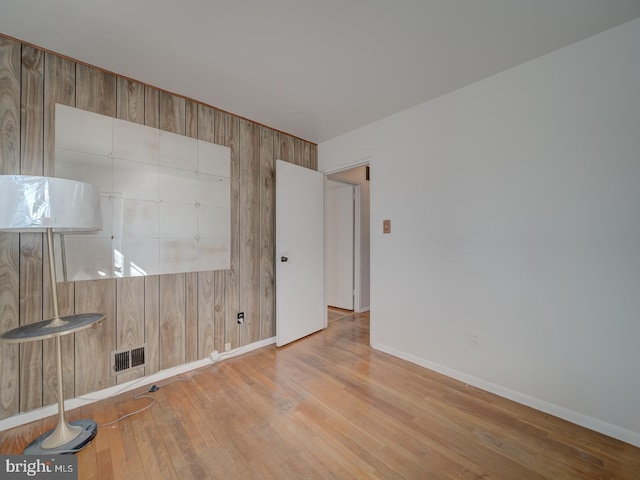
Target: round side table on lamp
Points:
(66, 437)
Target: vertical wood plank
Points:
(94, 345)
(191, 317)
(284, 147)
(59, 87)
(32, 126)
(9, 242)
(306, 154)
(206, 121)
(172, 113)
(267, 234)
(130, 101)
(314, 157)
(95, 90)
(31, 380)
(9, 318)
(209, 306)
(220, 309)
(206, 314)
(151, 107)
(130, 324)
(216, 282)
(191, 119)
(298, 152)
(152, 322)
(227, 132)
(10, 53)
(172, 320)
(31, 268)
(249, 230)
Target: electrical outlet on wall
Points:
(474, 339)
(241, 317)
(227, 347)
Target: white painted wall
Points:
(515, 208)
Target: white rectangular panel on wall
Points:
(165, 198)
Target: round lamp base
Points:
(89, 430)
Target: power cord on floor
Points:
(154, 388)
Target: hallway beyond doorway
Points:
(334, 313)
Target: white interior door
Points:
(300, 302)
(339, 249)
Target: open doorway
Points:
(354, 183)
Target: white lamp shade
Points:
(32, 204)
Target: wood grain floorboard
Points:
(330, 407)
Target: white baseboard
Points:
(88, 398)
(586, 421)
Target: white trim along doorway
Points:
(356, 175)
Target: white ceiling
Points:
(315, 69)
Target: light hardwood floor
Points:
(328, 406)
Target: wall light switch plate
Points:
(386, 226)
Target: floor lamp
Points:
(47, 204)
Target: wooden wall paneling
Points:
(59, 87)
(227, 132)
(206, 121)
(32, 125)
(9, 318)
(180, 317)
(232, 287)
(10, 52)
(220, 309)
(267, 234)
(249, 230)
(284, 147)
(314, 157)
(191, 317)
(306, 154)
(298, 151)
(130, 100)
(152, 322)
(130, 321)
(192, 290)
(206, 314)
(151, 107)
(94, 345)
(95, 90)
(172, 113)
(191, 119)
(172, 320)
(10, 70)
(210, 305)
(31, 268)
(173, 341)
(66, 306)
(31, 366)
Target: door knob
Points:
(283, 259)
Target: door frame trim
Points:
(357, 234)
